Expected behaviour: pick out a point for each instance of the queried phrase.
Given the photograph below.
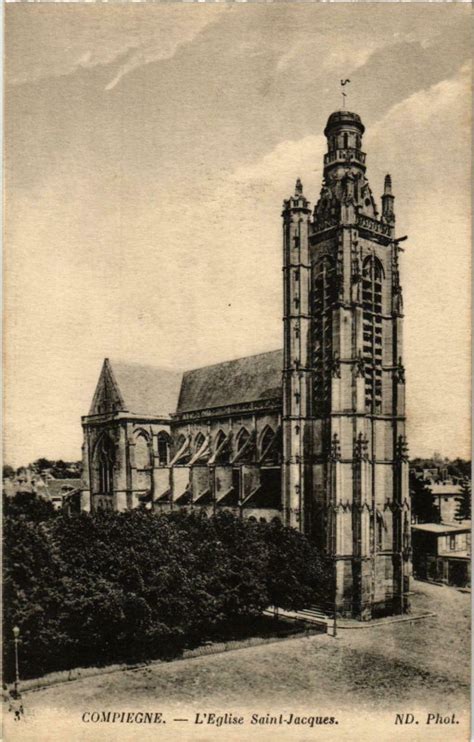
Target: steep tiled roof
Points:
(151, 391)
(55, 487)
(243, 380)
(147, 390)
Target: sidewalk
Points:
(316, 616)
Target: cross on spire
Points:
(344, 95)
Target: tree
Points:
(460, 468)
(28, 506)
(423, 509)
(8, 471)
(108, 586)
(463, 511)
(295, 576)
(41, 464)
(59, 469)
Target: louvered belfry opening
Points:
(323, 303)
(372, 323)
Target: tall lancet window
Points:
(105, 460)
(164, 444)
(323, 302)
(373, 275)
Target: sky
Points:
(148, 149)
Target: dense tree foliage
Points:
(58, 468)
(423, 508)
(463, 511)
(29, 506)
(109, 586)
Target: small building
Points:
(442, 553)
(446, 497)
(57, 490)
(44, 485)
(430, 475)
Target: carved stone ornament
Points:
(399, 372)
(402, 448)
(335, 366)
(397, 300)
(359, 365)
(361, 446)
(335, 453)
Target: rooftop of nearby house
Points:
(447, 489)
(57, 487)
(441, 529)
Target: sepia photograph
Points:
(237, 371)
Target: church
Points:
(312, 434)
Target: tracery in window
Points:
(268, 447)
(163, 448)
(105, 456)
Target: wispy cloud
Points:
(65, 42)
(171, 36)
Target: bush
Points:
(103, 587)
(29, 506)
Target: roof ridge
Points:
(115, 361)
(233, 360)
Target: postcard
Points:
(236, 468)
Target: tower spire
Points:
(388, 199)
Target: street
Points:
(409, 661)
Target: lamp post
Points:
(16, 634)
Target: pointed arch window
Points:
(142, 452)
(243, 447)
(221, 449)
(105, 454)
(180, 442)
(199, 440)
(163, 442)
(220, 438)
(242, 438)
(380, 530)
(267, 438)
(268, 447)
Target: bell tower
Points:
(347, 373)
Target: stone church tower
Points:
(314, 435)
(345, 467)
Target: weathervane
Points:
(344, 95)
